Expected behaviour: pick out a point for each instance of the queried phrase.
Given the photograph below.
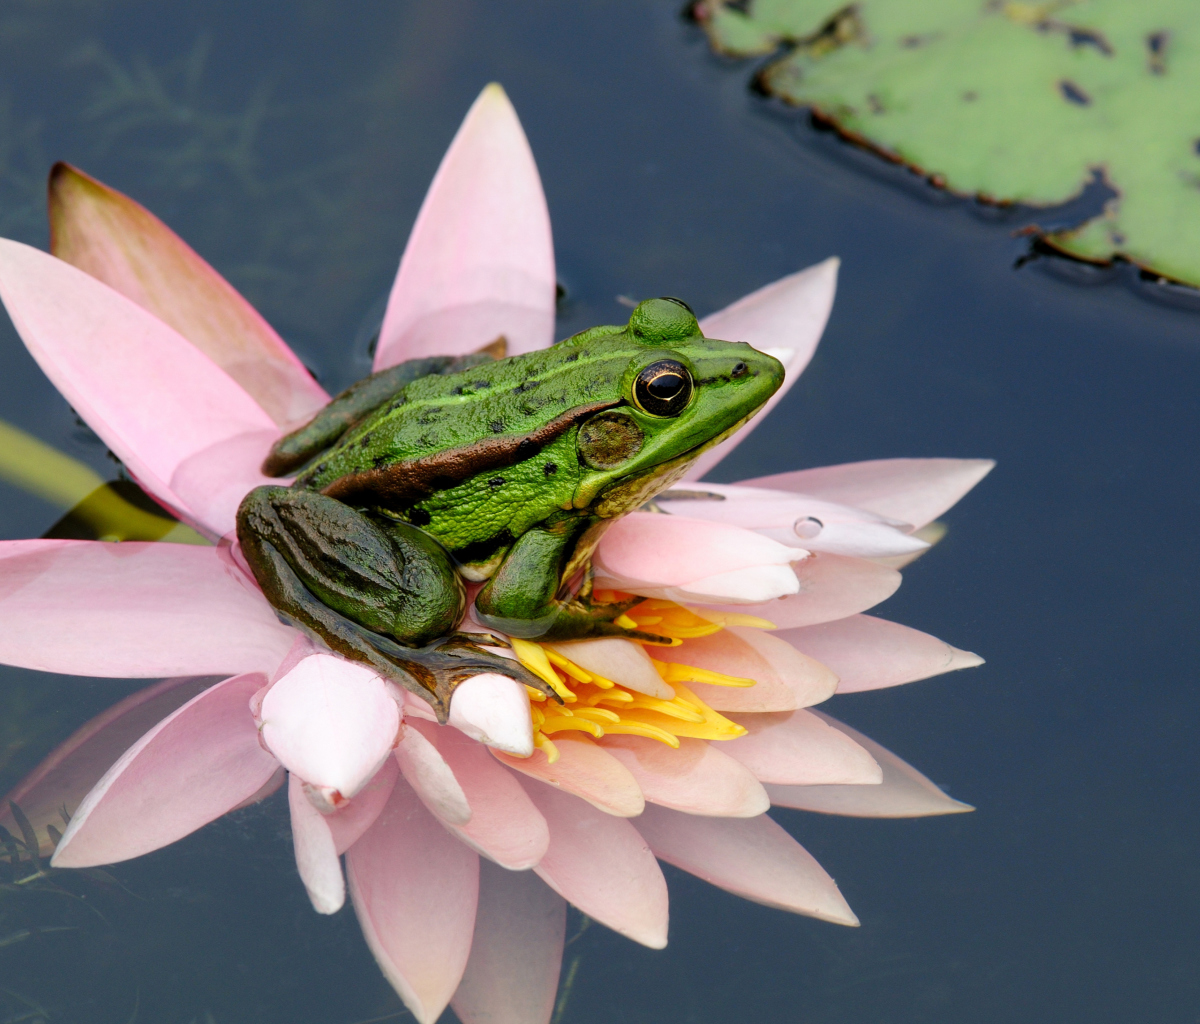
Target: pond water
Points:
(291, 143)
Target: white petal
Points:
(493, 709)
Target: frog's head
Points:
(681, 393)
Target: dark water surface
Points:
(291, 143)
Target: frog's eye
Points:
(663, 388)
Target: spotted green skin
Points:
(506, 472)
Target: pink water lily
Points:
(462, 841)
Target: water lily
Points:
(464, 839)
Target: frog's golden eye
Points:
(664, 388)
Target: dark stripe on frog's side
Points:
(405, 483)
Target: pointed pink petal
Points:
(798, 748)
(415, 888)
(316, 856)
(480, 259)
(512, 975)
(504, 825)
(121, 243)
(869, 653)
(668, 551)
(152, 396)
(431, 778)
(698, 778)
(332, 722)
(785, 678)
(493, 709)
(915, 491)
(64, 778)
(622, 661)
(785, 318)
(831, 587)
(191, 768)
(751, 857)
(132, 609)
(904, 792)
(348, 823)
(587, 771)
(603, 866)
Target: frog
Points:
(492, 475)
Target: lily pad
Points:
(1013, 102)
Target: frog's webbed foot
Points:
(383, 595)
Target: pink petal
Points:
(801, 521)
(785, 678)
(480, 259)
(348, 823)
(512, 975)
(603, 866)
(665, 551)
(698, 778)
(415, 888)
(789, 314)
(121, 243)
(914, 491)
(869, 653)
(493, 709)
(904, 792)
(751, 857)
(195, 765)
(132, 609)
(585, 770)
(431, 778)
(622, 661)
(504, 825)
(152, 396)
(64, 778)
(798, 748)
(316, 856)
(831, 587)
(332, 722)
(213, 482)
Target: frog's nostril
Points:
(739, 370)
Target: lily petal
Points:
(316, 856)
(603, 866)
(117, 241)
(66, 775)
(751, 857)
(332, 722)
(431, 778)
(698, 778)
(504, 825)
(516, 955)
(480, 260)
(494, 710)
(622, 661)
(789, 314)
(415, 889)
(195, 765)
(914, 491)
(350, 821)
(831, 587)
(132, 609)
(152, 396)
(784, 678)
(904, 792)
(212, 482)
(798, 748)
(869, 653)
(585, 770)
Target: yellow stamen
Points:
(533, 657)
(558, 724)
(675, 673)
(546, 746)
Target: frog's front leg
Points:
(381, 593)
(525, 597)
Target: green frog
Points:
(501, 472)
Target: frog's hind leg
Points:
(295, 450)
(387, 597)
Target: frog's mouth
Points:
(624, 495)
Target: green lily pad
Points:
(1014, 102)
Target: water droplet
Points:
(808, 527)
